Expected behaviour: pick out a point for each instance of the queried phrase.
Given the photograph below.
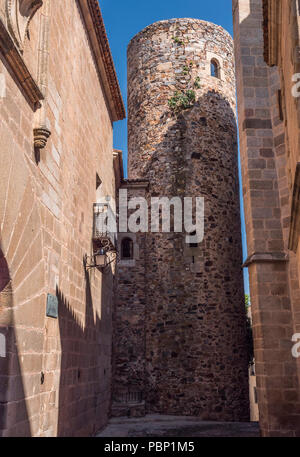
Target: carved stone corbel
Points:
(19, 14)
(40, 135)
(18, 67)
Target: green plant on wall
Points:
(182, 100)
(197, 83)
(247, 301)
(185, 70)
(191, 96)
(177, 40)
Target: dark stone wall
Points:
(195, 351)
(129, 321)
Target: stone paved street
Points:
(176, 426)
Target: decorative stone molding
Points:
(19, 68)
(95, 28)
(295, 216)
(266, 257)
(19, 15)
(41, 133)
(272, 33)
(135, 184)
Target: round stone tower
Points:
(183, 139)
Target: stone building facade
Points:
(266, 35)
(168, 334)
(180, 314)
(59, 97)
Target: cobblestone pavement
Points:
(176, 426)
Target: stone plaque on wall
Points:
(52, 306)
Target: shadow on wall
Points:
(85, 365)
(85, 379)
(13, 411)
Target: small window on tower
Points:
(215, 68)
(127, 249)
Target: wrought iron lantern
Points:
(104, 251)
(97, 260)
(100, 258)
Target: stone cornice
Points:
(135, 184)
(98, 38)
(272, 33)
(18, 67)
(295, 215)
(266, 257)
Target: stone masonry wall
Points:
(287, 134)
(266, 170)
(196, 360)
(129, 321)
(56, 376)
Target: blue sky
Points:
(125, 18)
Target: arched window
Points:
(127, 249)
(215, 68)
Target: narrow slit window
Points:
(280, 106)
(215, 69)
(127, 249)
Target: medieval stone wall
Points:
(196, 361)
(56, 376)
(268, 156)
(129, 320)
